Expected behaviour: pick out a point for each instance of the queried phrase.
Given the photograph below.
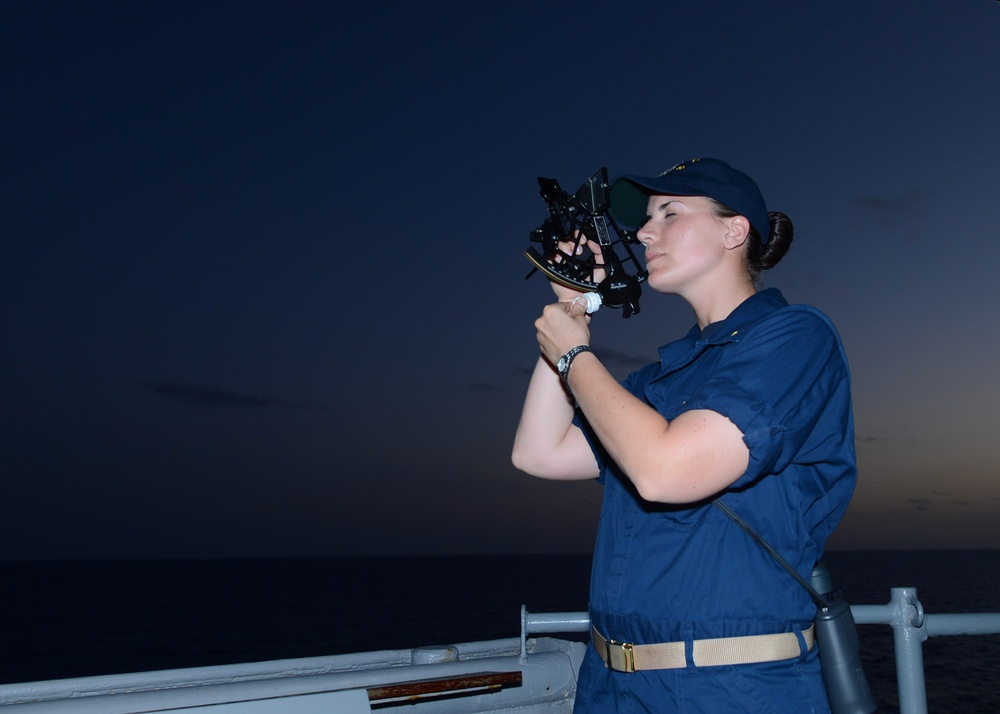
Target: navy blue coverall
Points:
(668, 573)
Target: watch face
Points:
(561, 366)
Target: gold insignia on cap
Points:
(677, 167)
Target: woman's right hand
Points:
(575, 247)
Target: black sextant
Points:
(575, 224)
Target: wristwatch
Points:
(567, 359)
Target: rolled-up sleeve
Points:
(780, 384)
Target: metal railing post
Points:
(909, 635)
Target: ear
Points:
(737, 232)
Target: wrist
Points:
(566, 361)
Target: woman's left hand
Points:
(563, 326)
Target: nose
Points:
(644, 234)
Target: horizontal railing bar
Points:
(987, 623)
(557, 622)
(873, 614)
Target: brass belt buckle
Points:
(620, 656)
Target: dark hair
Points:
(778, 242)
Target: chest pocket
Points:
(669, 394)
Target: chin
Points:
(661, 283)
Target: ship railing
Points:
(910, 624)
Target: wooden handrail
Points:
(413, 690)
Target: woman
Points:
(751, 407)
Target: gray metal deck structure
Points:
(528, 675)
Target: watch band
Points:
(567, 359)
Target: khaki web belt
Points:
(625, 657)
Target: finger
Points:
(570, 246)
(598, 252)
(579, 307)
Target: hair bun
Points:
(778, 242)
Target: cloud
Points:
(614, 359)
(213, 396)
(897, 211)
(617, 362)
(901, 206)
(937, 498)
(483, 387)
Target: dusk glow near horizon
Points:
(263, 288)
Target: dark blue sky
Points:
(262, 287)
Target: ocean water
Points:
(67, 619)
